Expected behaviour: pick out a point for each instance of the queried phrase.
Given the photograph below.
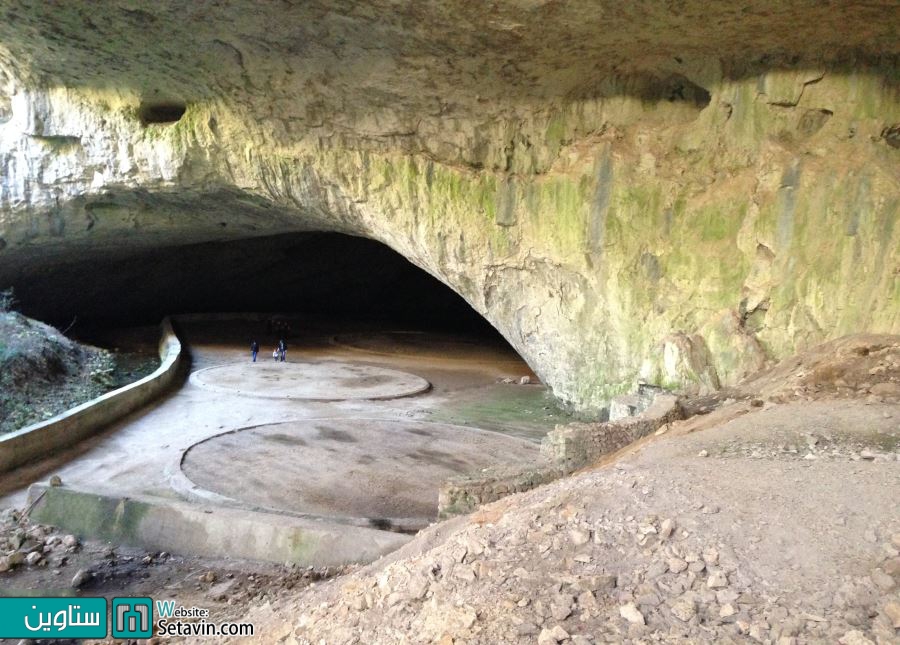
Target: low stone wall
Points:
(631, 405)
(576, 445)
(465, 493)
(566, 449)
(64, 430)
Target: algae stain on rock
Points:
(600, 203)
(506, 206)
(787, 205)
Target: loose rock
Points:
(717, 580)
(81, 577)
(632, 614)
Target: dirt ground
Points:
(772, 515)
(770, 519)
(223, 587)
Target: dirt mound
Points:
(772, 519)
(867, 364)
(43, 373)
(855, 366)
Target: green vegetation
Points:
(43, 373)
(520, 410)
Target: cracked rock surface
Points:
(663, 190)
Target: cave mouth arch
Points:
(327, 275)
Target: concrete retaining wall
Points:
(64, 430)
(578, 444)
(177, 527)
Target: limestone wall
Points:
(463, 494)
(685, 222)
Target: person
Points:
(254, 349)
(282, 349)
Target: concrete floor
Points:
(383, 470)
(325, 381)
(141, 455)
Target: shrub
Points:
(7, 300)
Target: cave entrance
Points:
(358, 281)
(330, 296)
(165, 113)
(392, 385)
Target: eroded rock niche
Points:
(620, 201)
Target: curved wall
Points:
(64, 430)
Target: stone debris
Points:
(855, 637)
(717, 580)
(595, 559)
(631, 613)
(80, 578)
(666, 528)
(684, 608)
(579, 537)
(892, 611)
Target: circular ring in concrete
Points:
(379, 469)
(324, 381)
(417, 343)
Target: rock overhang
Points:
(595, 178)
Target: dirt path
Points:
(777, 525)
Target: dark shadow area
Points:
(161, 113)
(674, 88)
(316, 274)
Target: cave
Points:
(615, 284)
(675, 89)
(532, 179)
(323, 275)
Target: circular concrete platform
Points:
(325, 381)
(417, 343)
(348, 468)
